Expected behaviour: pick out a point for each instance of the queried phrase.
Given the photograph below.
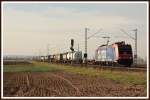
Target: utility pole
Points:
(86, 40)
(135, 53)
(85, 54)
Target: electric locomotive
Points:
(116, 53)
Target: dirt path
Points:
(64, 85)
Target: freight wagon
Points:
(66, 57)
(43, 58)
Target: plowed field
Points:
(36, 84)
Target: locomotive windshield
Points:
(126, 49)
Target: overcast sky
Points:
(29, 28)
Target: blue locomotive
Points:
(116, 53)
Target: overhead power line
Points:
(94, 33)
(127, 34)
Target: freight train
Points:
(116, 53)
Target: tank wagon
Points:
(116, 53)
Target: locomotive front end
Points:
(125, 56)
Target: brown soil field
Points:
(47, 84)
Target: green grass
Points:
(124, 77)
(136, 78)
(30, 68)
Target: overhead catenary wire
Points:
(95, 33)
(127, 34)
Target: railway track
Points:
(112, 68)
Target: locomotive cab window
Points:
(124, 49)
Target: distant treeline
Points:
(20, 57)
